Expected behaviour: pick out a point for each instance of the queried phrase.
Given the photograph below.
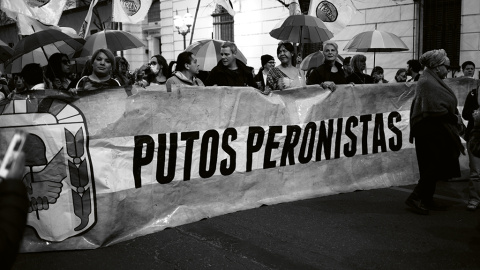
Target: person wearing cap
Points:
(330, 73)
(434, 128)
(230, 71)
(268, 62)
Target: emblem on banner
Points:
(131, 7)
(37, 3)
(58, 170)
(327, 11)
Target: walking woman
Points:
(434, 126)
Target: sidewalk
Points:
(359, 230)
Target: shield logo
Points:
(58, 168)
(131, 7)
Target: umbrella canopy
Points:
(375, 41)
(114, 40)
(5, 52)
(315, 59)
(207, 53)
(312, 60)
(302, 29)
(37, 48)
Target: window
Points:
(441, 28)
(154, 12)
(222, 24)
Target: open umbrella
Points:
(302, 29)
(375, 41)
(114, 40)
(315, 59)
(37, 48)
(207, 53)
(5, 52)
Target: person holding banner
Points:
(330, 72)
(230, 71)
(186, 70)
(286, 75)
(359, 64)
(435, 126)
(103, 62)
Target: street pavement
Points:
(370, 229)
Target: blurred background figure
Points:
(141, 75)
(347, 68)
(87, 69)
(413, 69)
(160, 71)
(4, 89)
(103, 63)
(186, 70)
(122, 74)
(401, 75)
(13, 212)
(359, 65)
(33, 77)
(59, 72)
(468, 68)
(377, 75)
(268, 62)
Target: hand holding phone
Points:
(14, 159)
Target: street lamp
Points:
(183, 25)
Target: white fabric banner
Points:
(46, 11)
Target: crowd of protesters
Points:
(434, 115)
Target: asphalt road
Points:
(360, 230)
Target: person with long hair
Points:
(359, 65)
(122, 74)
(435, 125)
(103, 63)
(286, 75)
(159, 70)
(401, 75)
(59, 72)
(377, 75)
(186, 70)
(330, 72)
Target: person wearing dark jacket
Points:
(470, 106)
(359, 64)
(268, 62)
(230, 71)
(330, 72)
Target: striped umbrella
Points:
(114, 40)
(39, 46)
(315, 59)
(5, 52)
(376, 41)
(207, 53)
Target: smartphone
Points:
(14, 148)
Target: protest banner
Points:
(131, 162)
